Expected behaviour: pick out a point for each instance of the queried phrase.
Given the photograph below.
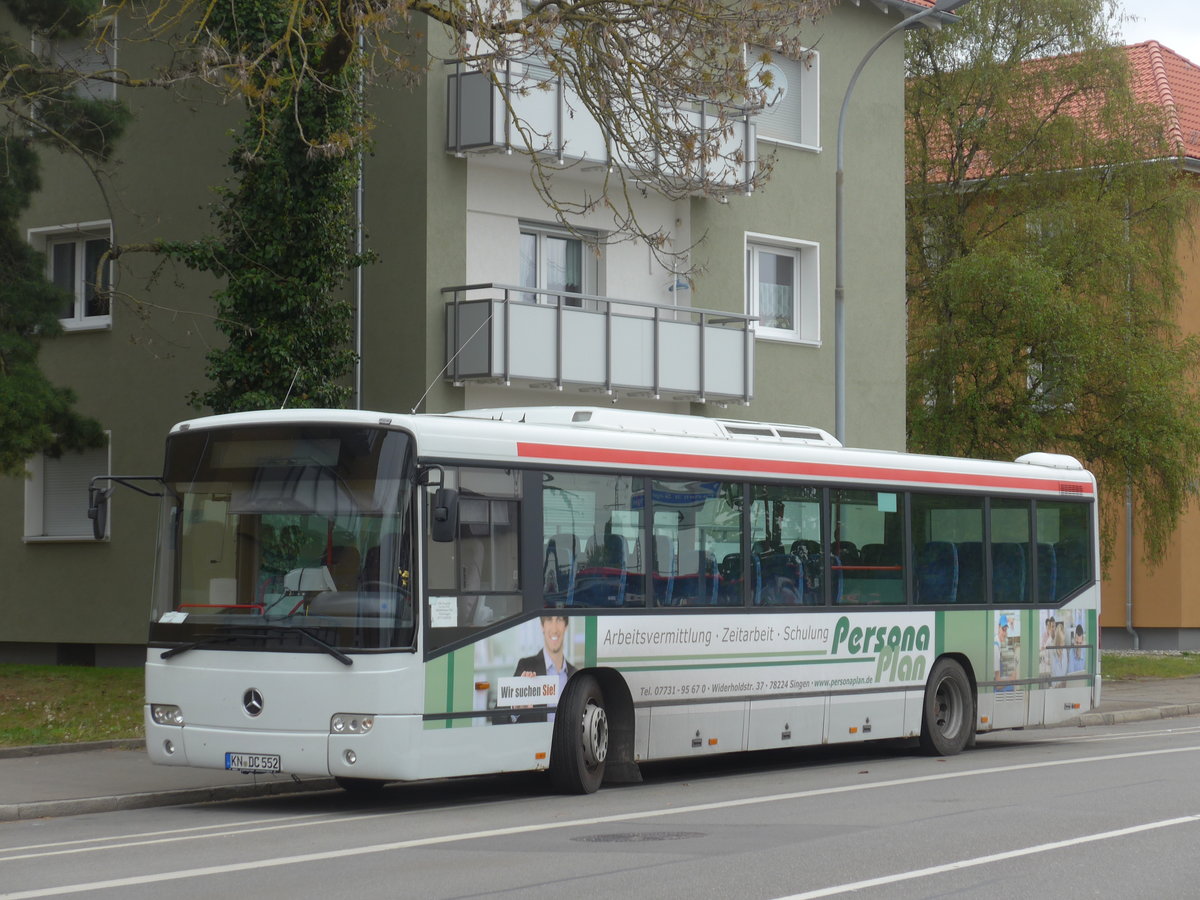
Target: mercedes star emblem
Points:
(252, 702)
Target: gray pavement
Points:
(62, 780)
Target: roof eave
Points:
(908, 8)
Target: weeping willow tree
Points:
(1046, 206)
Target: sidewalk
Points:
(64, 780)
(71, 779)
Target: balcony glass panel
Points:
(494, 334)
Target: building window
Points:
(56, 495)
(89, 53)
(558, 262)
(73, 256)
(782, 288)
(792, 112)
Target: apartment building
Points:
(478, 298)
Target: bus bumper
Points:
(384, 753)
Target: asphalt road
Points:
(1064, 813)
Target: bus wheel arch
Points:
(621, 767)
(948, 710)
(593, 733)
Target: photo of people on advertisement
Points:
(538, 679)
(1006, 656)
(1063, 646)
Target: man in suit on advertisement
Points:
(550, 660)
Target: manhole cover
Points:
(629, 837)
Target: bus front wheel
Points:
(579, 746)
(948, 720)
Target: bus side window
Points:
(1063, 529)
(591, 529)
(868, 547)
(786, 550)
(1013, 575)
(474, 580)
(947, 536)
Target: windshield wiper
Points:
(204, 641)
(263, 633)
(328, 648)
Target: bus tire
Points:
(579, 746)
(948, 717)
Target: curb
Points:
(1134, 715)
(54, 749)
(41, 809)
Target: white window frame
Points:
(807, 93)
(45, 239)
(35, 502)
(591, 269)
(807, 314)
(84, 54)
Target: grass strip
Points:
(73, 704)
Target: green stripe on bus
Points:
(450, 687)
(781, 654)
(435, 684)
(589, 641)
(1094, 636)
(748, 665)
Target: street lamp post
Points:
(839, 289)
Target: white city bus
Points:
(385, 597)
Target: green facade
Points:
(88, 601)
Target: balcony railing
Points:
(502, 333)
(483, 95)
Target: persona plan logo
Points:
(816, 652)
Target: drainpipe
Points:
(358, 238)
(1129, 565)
(1129, 491)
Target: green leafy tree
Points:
(640, 68)
(1045, 209)
(41, 107)
(284, 227)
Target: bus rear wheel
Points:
(579, 746)
(948, 720)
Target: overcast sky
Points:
(1173, 23)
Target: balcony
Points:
(484, 95)
(503, 333)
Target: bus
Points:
(375, 597)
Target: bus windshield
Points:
(271, 530)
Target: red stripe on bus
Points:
(698, 462)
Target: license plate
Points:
(252, 762)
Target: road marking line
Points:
(146, 841)
(321, 856)
(985, 860)
(188, 832)
(1100, 738)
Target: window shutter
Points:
(784, 119)
(64, 491)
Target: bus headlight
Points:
(166, 714)
(351, 723)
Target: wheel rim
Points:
(948, 708)
(595, 734)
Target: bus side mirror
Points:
(98, 511)
(443, 515)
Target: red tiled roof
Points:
(1163, 77)
(1160, 76)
